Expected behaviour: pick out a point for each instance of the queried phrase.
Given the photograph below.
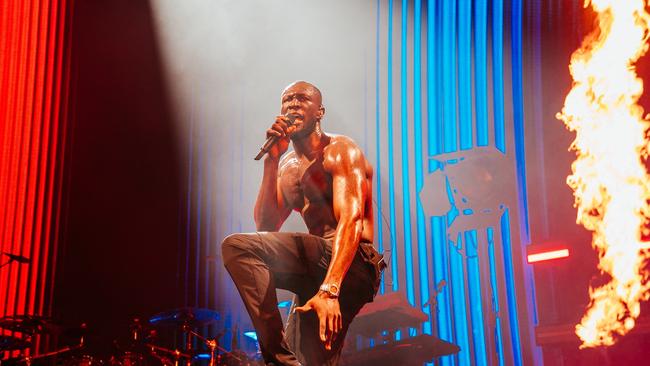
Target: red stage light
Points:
(548, 255)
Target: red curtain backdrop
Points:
(34, 84)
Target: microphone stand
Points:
(11, 259)
(7, 262)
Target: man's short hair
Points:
(312, 86)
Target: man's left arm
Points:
(345, 162)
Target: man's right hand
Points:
(281, 129)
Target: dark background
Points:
(121, 228)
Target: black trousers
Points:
(259, 263)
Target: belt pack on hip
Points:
(372, 257)
(376, 261)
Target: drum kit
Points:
(19, 338)
(141, 349)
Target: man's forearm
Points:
(344, 248)
(267, 211)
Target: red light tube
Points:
(546, 256)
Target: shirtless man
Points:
(334, 269)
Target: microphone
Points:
(273, 139)
(17, 258)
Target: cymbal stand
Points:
(188, 342)
(175, 353)
(29, 359)
(211, 343)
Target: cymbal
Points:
(193, 317)
(8, 343)
(26, 324)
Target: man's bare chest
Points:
(306, 182)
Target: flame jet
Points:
(609, 180)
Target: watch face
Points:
(331, 288)
(334, 289)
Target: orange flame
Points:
(610, 183)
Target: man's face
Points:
(304, 101)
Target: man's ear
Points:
(321, 112)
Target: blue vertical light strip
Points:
(418, 152)
(231, 195)
(465, 73)
(494, 286)
(241, 166)
(518, 115)
(228, 324)
(520, 157)
(511, 291)
(378, 144)
(199, 207)
(450, 143)
(497, 75)
(480, 72)
(538, 102)
(210, 249)
(433, 130)
(475, 301)
(439, 72)
(443, 249)
(391, 153)
(406, 183)
(441, 300)
(188, 216)
(458, 300)
(365, 103)
(439, 303)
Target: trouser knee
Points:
(236, 245)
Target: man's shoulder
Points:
(340, 144)
(342, 149)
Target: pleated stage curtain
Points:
(34, 85)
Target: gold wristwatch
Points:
(331, 289)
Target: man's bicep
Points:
(349, 189)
